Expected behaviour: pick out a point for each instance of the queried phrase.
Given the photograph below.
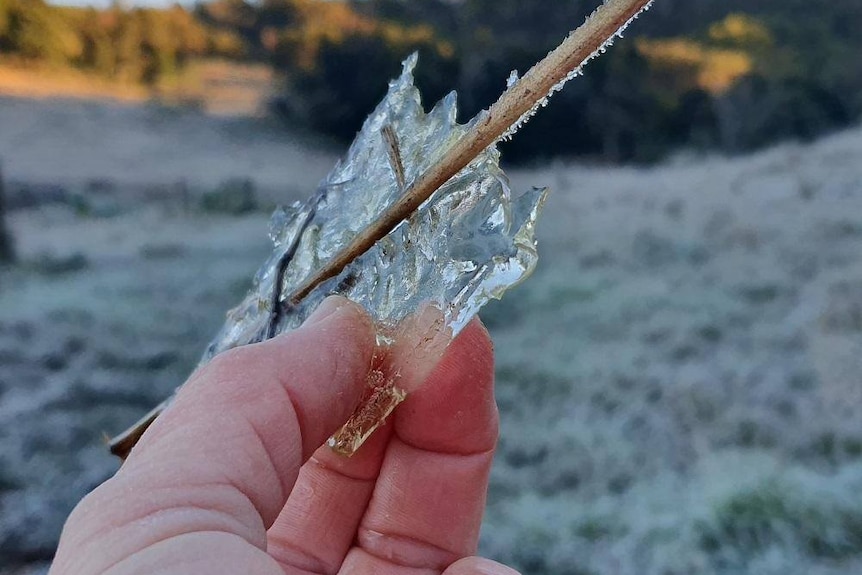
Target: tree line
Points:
(730, 75)
(136, 46)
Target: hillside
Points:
(726, 75)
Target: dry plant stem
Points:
(122, 444)
(382, 396)
(418, 344)
(393, 150)
(519, 99)
(507, 111)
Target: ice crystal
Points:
(512, 79)
(468, 243)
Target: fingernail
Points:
(326, 308)
(488, 567)
(420, 343)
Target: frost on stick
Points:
(571, 75)
(467, 244)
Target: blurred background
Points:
(679, 382)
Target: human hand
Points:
(232, 478)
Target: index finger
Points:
(428, 503)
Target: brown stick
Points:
(522, 97)
(610, 19)
(122, 444)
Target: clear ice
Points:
(467, 244)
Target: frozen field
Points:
(680, 382)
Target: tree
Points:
(337, 60)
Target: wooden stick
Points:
(394, 152)
(122, 444)
(509, 110)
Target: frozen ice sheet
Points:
(467, 244)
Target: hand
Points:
(232, 479)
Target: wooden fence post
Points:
(7, 252)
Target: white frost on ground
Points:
(74, 144)
(679, 383)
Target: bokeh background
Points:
(679, 382)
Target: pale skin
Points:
(232, 478)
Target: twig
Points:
(514, 107)
(511, 109)
(394, 152)
(276, 305)
(122, 444)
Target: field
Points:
(679, 383)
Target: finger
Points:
(370, 565)
(478, 566)
(427, 506)
(225, 456)
(318, 525)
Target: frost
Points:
(579, 71)
(512, 79)
(467, 244)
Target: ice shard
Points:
(468, 243)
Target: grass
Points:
(655, 420)
(235, 196)
(784, 513)
(51, 265)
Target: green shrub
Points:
(49, 264)
(783, 514)
(234, 196)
